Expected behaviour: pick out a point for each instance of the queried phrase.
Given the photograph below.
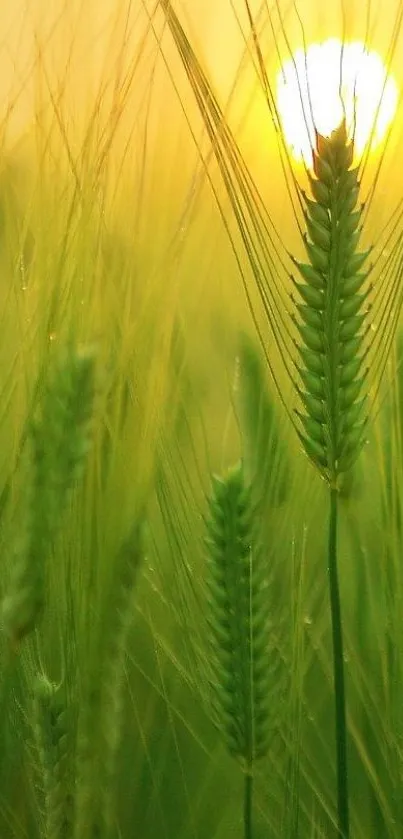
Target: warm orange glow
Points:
(329, 81)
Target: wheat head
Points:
(242, 660)
(332, 316)
(60, 437)
(53, 732)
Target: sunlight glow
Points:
(317, 88)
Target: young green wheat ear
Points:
(59, 442)
(242, 663)
(332, 324)
(51, 722)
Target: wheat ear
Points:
(59, 442)
(242, 665)
(52, 734)
(333, 313)
(333, 329)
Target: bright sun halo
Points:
(316, 88)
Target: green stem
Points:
(338, 670)
(247, 801)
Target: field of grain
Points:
(200, 528)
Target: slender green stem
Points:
(247, 802)
(338, 670)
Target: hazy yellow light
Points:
(316, 88)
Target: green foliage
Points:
(266, 454)
(102, 714)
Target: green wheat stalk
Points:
(116, 629)
(332, 326)
(102, 720)
(242, 659)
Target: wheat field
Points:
(201, 419)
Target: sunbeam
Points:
(317, 88)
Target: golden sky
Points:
(62, 61)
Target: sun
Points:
(331, 80)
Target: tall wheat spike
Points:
(333, 329)
(333, 314)
(242, 654)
